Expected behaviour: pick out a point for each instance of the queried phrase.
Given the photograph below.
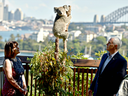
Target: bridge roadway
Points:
(101, 23)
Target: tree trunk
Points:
(65, 50)
(56, 48)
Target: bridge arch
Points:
(117, 14)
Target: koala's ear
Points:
(66, 7)
(55, 9)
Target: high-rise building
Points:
(1, 11)
(102, 18)
(3, 2)
(5, 13)
(11, 15)
(96, 19)
(18, 15)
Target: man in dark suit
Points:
(111, 71)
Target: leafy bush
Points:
(51, 73)
(100, 54)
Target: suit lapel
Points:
(111, 62)
(102, 63)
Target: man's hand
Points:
(90, 92)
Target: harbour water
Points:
(21, 54)
(6, 34)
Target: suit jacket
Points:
(107, 83)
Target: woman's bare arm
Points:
(8, 72)
(24, 84)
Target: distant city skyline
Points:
(82, 10)
(6, 15)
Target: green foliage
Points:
(78, 56)
(125, 27)
(29, 44)
(72, 26)
(12, 37)
(18, 36)
(125, 57)
(1, 38)
(101, 40)
(99, 54)
(74, 47)
(51, 73)
(124, 41)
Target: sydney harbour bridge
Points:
(116, 17)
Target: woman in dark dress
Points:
(14, 84)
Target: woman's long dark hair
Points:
(8, 52)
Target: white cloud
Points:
(26, 5)
(42, 4)
(85, 8)
(75, 7)
(35, 8)
(31, 8)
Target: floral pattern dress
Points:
(17, 72)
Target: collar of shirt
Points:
(107, 60)
(110, 56)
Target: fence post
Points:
(74, 82)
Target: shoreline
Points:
(24, 51)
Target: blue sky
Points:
(82, 10)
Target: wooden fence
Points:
(84, 70)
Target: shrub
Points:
(50, 73)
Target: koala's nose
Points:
(60, 12)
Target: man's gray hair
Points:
(117, 41)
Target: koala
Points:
(68, 14)
(62, 21)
